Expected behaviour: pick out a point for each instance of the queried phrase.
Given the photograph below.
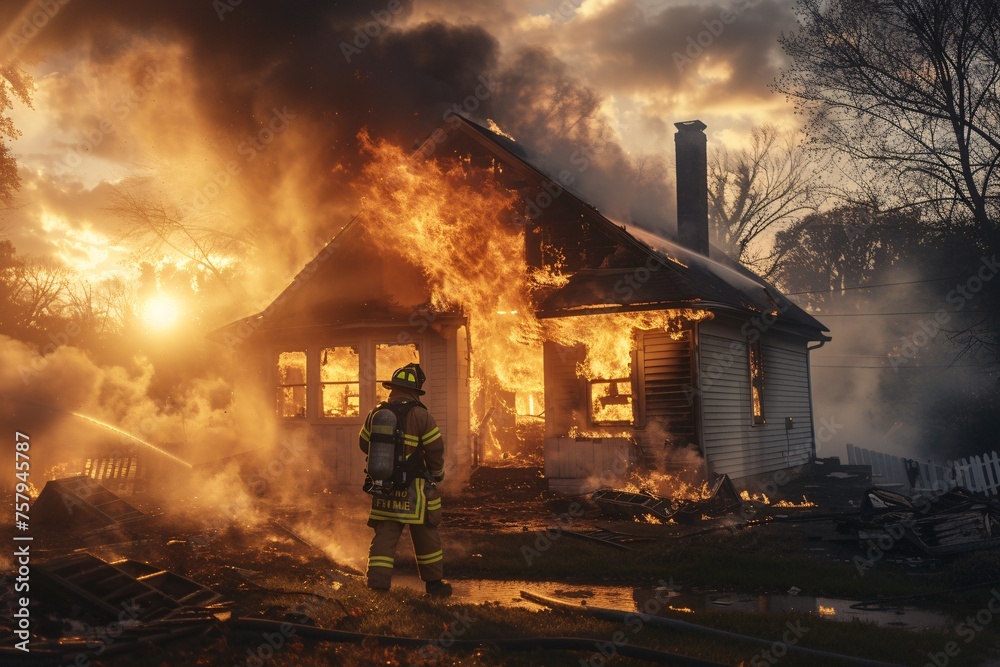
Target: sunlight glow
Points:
(160, 312)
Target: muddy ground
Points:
(761, 573)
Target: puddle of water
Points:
(830, 608)
(479, 591)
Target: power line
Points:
(901, 366)
(909, 312)
(854, 356)
(842, 289)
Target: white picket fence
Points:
(889, 470)
(978, 473)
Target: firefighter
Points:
(419, 506)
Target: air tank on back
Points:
(382, 445)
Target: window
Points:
(756, 383)
(291, 394)
(611, 401)
(389, 357)
(340, 381)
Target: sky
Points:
(245, 115)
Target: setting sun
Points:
(160, 312)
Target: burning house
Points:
(525, 303)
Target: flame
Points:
(786, 503)
(667, 485)
(827, 611)
(753, 497)
(610, 338)
(686, 610)
(764, 500)
(457, 224)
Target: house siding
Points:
(732, 445)
(665, 363)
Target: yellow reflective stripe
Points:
(365, 434)
(380, 561)
(430, 558)
(431, 435)
(411, 438)
(434, 504)
(418, 513)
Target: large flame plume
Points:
(453, 220)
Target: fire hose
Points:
(618, 615)
(54, 653)
(516, 644)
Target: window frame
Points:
(627, 381)
(359, 347)
(754, 349)
(378, 340)
(277, 385)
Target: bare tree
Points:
(755, 191)
(31, 291)
(104, 308)
(14, 83)
(151, 224)
(908, 90)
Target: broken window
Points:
(340, 381)
(292, 384)
(389, 357)
(756, 383)
(611, 401)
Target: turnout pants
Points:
(426, 548)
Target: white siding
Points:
(731, 443)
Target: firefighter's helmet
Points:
(410, 376)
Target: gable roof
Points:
(673, 276)
(690, 279)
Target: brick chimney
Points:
(692, 185)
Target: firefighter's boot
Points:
(438, 588)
